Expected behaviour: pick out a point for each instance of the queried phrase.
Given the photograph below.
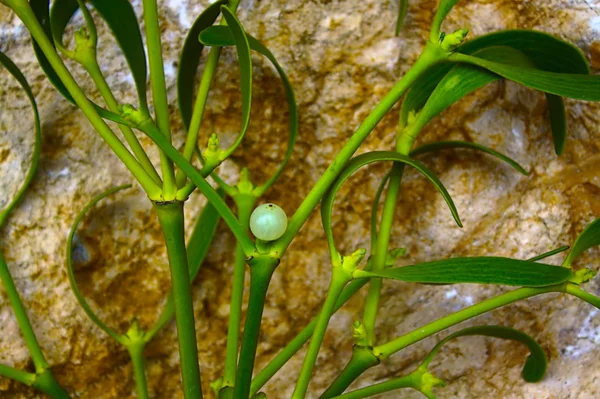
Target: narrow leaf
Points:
(365, 159)
(402, 10)
(590, 237)
(477, 270)
(440, 145)
(190, 58)
(245, 63)
(122, 21)
(35, 155)
(375, 206)
(581, 87)
(41, 10)
(71, 273)
(548, 254)
(535, 365)
(221, 36)
(558, 122)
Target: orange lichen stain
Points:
(595, 55)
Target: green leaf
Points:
(477, 270)
(35, 155)
(41, 10)
(364, 159)
(122, 21)
(590, 237)
(222, 36)
(71, 273)
(190, 58)
(402, 10)
(581, 87)
(440, 145)
(535, 365)
(245, 63)
(375, 206)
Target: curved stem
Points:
(94, 70)
(261, 271)
(575, 290)
(37, 32)
(339, 279)
(170, 216)
(39, 361)
(159, 92)
(136, 353)
(245, 204)
(432, 55)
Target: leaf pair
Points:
(504, 54)
(120, 17)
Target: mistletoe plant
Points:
(449, 68)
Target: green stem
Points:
(39, 361)
(28, 17)
(136, 353)
(245, 204)
(46, 383)
(339, 279)
(383, 351)
(210, 67)
(170, 216)
(94, 70)
(17, 375)
(407, 381)
(159, 92)
(575, 290)
(432, 55)
(303, 336)
(361, 360)
(381, 251)
(261, 271)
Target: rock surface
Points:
(342, 57)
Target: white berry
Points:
(268, 222)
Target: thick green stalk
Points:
(39, 361)
(432, 54)
(17, 375)
(362, 359)
(136, 353)
(26, 14)
(575, 290)
(46, 383)
(339, 279)
(170, 216)
(159, 92)
(210, 67)
(112, 104)
(357, 367)
(245, 204)
(381, 251)
(261, 271)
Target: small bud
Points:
(245, 184)
(359, 333)
(216, 386)
(453, 40)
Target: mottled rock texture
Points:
(341, 57)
